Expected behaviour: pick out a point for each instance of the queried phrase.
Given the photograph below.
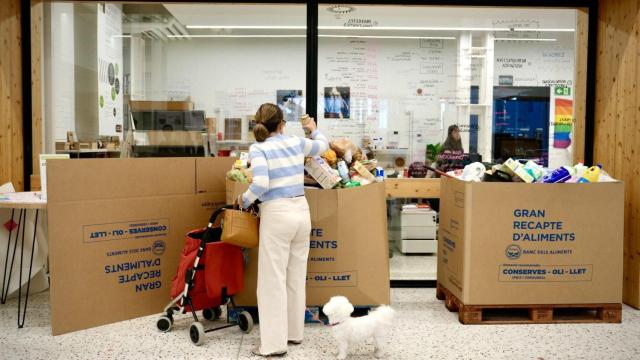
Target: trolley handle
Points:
(217, 213)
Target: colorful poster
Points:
(563, 123)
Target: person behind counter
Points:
(452, 154)
(277, 162)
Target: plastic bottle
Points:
(580, 169)
(379, 174)
(559, 175)
(343, 170)
(592, 175)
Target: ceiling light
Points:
(246, 27)
(236, 36)
(411, 28)
(523, 39)
(543, 30)
(391, 28)
(390, 37)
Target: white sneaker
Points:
(256, 351)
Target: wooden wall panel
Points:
(36, 84)
(11, 152)
(617, 115)
(580, 86)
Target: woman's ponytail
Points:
(260, 132)
(268, 118)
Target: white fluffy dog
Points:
(348, 330)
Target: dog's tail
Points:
(383, 314)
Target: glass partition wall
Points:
(445, 86)
(168, 79)
(414, 85)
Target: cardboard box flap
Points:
(452, 230)
(322, 205)
(91, 179)
(362, 232)
(211, 173)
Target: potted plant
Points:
(432, 152)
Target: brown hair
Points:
(268, 118)
(451, 143)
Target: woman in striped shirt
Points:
(277, 162)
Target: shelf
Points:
(476, 105)
(86, 151)
(391, 151)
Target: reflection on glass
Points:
(169, 79)
(445, 87)
(402, 78)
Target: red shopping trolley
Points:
(209, 274)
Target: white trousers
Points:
(285, 227)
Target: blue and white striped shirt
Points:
(278, 166)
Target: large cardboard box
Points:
(349, 252)
(516, 243)
(116, 230)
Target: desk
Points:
(424, 188)
(90, 153)
(22, 201)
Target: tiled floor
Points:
(423, 330)
(413, 267)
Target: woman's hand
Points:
(309, 125)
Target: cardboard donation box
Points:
(516, 243)
(116, 230)
(349, 252)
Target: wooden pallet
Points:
(530, 314)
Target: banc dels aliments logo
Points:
(513, 252)
(159, 246)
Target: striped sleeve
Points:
(260, 184)
(317, 146)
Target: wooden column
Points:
(36, 89)
(617, 116)
(580, 92)
(11, 152)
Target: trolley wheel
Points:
(245, 321)
(212, 313)
(164, 323)
(196, 333)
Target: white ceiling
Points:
(383, 15)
